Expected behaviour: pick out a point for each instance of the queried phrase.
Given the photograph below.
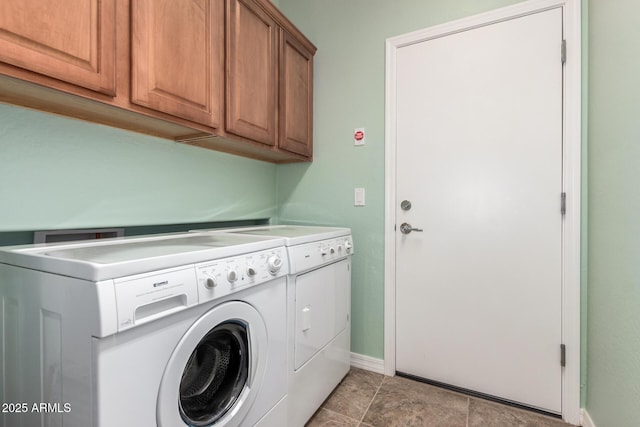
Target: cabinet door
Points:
(296, 97)
(251, 78)
(70, 40)
(178, 58)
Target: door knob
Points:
(405, 205)
(406, 228)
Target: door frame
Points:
(570, 328)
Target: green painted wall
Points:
(613, 393)
(57, 172)
(349, 93)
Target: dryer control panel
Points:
(225, 276)
(311, 255)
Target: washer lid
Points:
(111, 258)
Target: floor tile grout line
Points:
(468, 409)
(371, 401)
(340, 414)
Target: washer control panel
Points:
(310, 255)
(145, 297)
(225, 276)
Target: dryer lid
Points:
(295, 234)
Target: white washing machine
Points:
(173, 330)
(319, 307)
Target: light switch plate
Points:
(358, 196)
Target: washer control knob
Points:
(332, 250)
(348, 246)
(251, 271)
(274, 263)
(323, 251)
(339, 249)
(232, 276)
(210, 283)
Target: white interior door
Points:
(479, 156)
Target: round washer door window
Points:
(213, 374)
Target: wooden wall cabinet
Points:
(269, 78)
(177, 54)
(230, 75)
(74, 41)
(252, 80)
(296, 96)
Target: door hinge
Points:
(563, 52)
(563, 203)
(563, 355)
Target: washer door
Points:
(216, 370)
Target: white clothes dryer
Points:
(169, 331)
(319, 310)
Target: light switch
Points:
(358, 196)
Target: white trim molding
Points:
(367, 363)
(586, 420)
(571, 411)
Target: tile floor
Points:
(367, 399)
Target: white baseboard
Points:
(367, 363)
(586, 419)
